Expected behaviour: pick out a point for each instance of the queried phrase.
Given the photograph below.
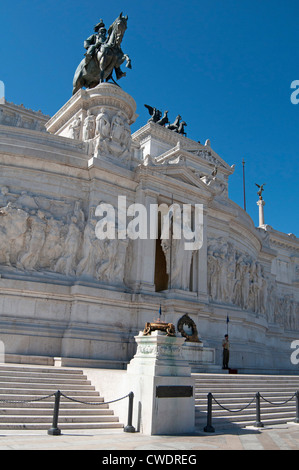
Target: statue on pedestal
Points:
(103, 55)
(261, 189)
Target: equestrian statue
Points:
(103, 55)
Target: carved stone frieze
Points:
(238, 279)
(56, 238)
(19, 116)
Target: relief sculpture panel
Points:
(236, 278)
(59, 240)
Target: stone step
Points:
(66, 426)
(19, 369)
(251, 390)
(47, 391)
(244, 377)
(49, 411)
(235, 379)
(236, 392)
(244, 393)
(27, 399)
(45, 386)
(28, 379)
(62, 419)
(243, 421)
(95, 403)
(200, 385)
(241, 401)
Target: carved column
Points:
(202, 263)
(261, 204)
(143, 250)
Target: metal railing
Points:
(257, 398)
(55, 430)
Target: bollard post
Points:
(258, 423)
(209, 427)
(129, 427)
(54, 430)
(297, 407)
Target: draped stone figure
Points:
(36, 239)
(112, 266)
(91, 251)
(68, 261)
(89, 126)
(178, 261)
(13, 228)
(52, 249)
(75, 128)
(102, 125)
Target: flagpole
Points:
(244, 197)
(171, 229)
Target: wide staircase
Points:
(234, 401)
(27, 401)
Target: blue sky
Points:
(226, 66)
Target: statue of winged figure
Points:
(261, 189)
(154, 113)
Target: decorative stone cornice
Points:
(105, 94)
(180, 147)
(18, 116)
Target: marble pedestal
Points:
(162, 384)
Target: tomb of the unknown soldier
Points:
(122, 255)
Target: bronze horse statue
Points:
(107, 57)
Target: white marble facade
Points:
(65, 293)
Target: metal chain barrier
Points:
(55, 431)
(233, 411)
(27, 401)
(278, 404)
(256, 398)
(93, 403)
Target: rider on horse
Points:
(95, 41)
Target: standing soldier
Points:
(225, 346)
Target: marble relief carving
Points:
(178, 263)
(236, 278)
(55, 237)
(108, 131)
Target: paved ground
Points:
(276, 437)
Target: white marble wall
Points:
(64, 292)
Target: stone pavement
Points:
(275, 437)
